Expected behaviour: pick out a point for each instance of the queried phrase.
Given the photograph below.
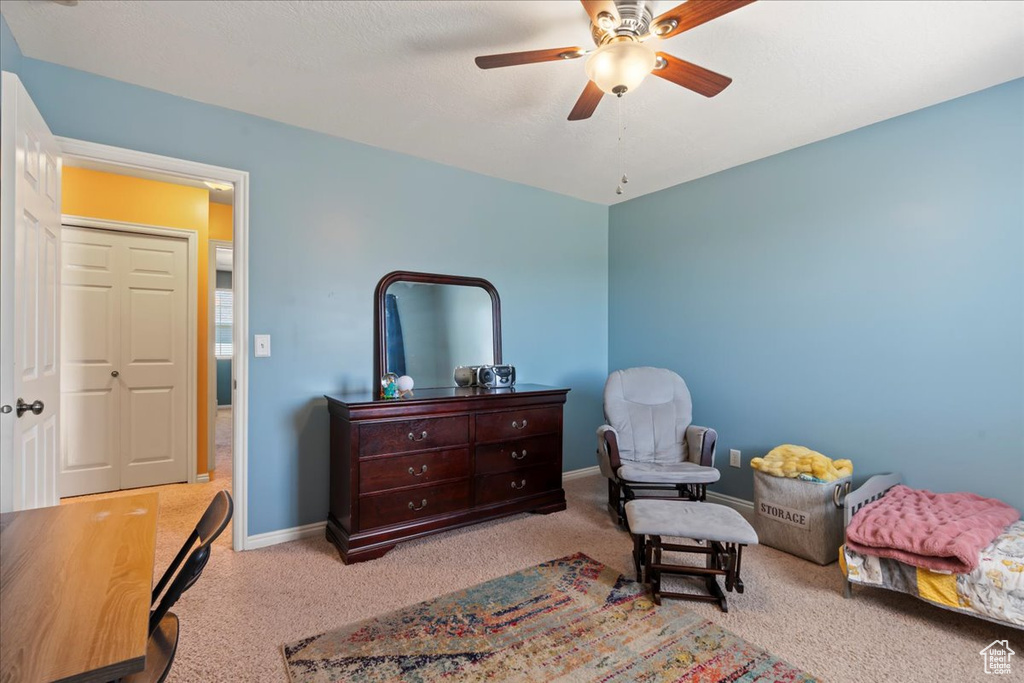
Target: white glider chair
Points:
(648, 442)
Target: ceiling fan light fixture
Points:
(620, 66)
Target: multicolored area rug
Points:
(571, 619)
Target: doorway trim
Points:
(191, 297)
(131, 159)
(211, 370)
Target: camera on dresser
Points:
(458, 449)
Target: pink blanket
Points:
(943, 532)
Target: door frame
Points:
(194, 170)
(191, 298)
(211, 369)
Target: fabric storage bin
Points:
(803, 518)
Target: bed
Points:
(993, 591)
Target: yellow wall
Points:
(108, 196)
(221, 222)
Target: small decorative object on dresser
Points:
(448, 456)
(389, 385)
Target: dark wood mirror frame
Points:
(379, 343)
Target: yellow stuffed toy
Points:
(796, 461)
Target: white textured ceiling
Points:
(400, 75)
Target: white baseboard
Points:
(579, 474)
(284, 535)
(744, 507)
(203, 478)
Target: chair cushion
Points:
(675, 473)
(650, 409)
(697, 521)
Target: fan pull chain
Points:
(622, 144)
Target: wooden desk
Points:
(75, 583)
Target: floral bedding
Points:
(994, 590)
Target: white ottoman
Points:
(722, 529)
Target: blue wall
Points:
(863, 296)
(223, 381)
(329, 217)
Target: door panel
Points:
(30, 235)
(91, 417)
(151, 437)
(125, 360)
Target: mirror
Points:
(426, 325)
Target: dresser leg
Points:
(354, 556)
(548, 509)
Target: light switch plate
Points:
(261, 346)
(734, 458)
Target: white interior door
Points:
(30, 233)
(125, 361)
(90, 396)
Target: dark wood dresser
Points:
(443, 458)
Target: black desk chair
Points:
(163, 624)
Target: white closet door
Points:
(90, 396)
(154, 343)
(124, 350)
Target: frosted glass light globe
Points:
(620, 66)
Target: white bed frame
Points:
(870, 491)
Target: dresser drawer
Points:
(381, 474)
(384, 509)
(511, 455)
(529, 481)
(514, 424)
(377, 438)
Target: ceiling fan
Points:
(622, 58)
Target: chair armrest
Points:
(608, 451)
(700, 445)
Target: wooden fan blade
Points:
(531, 57)
(696, 78)
(692, 13)
(595, 8)
(587, 102)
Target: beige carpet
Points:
(246, 605)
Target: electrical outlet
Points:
(734, 458)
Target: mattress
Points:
(993, 591)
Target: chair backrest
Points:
(211, 524)
(650, 409)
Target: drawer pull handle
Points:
(412, 505)
(522, 485)
(413, 437)
(517, 425)
(517, 456)
(423, 470)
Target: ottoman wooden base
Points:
(723, 559)
(722, 531)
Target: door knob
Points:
(36, 407)
(115, 373)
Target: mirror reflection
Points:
(430, 329)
